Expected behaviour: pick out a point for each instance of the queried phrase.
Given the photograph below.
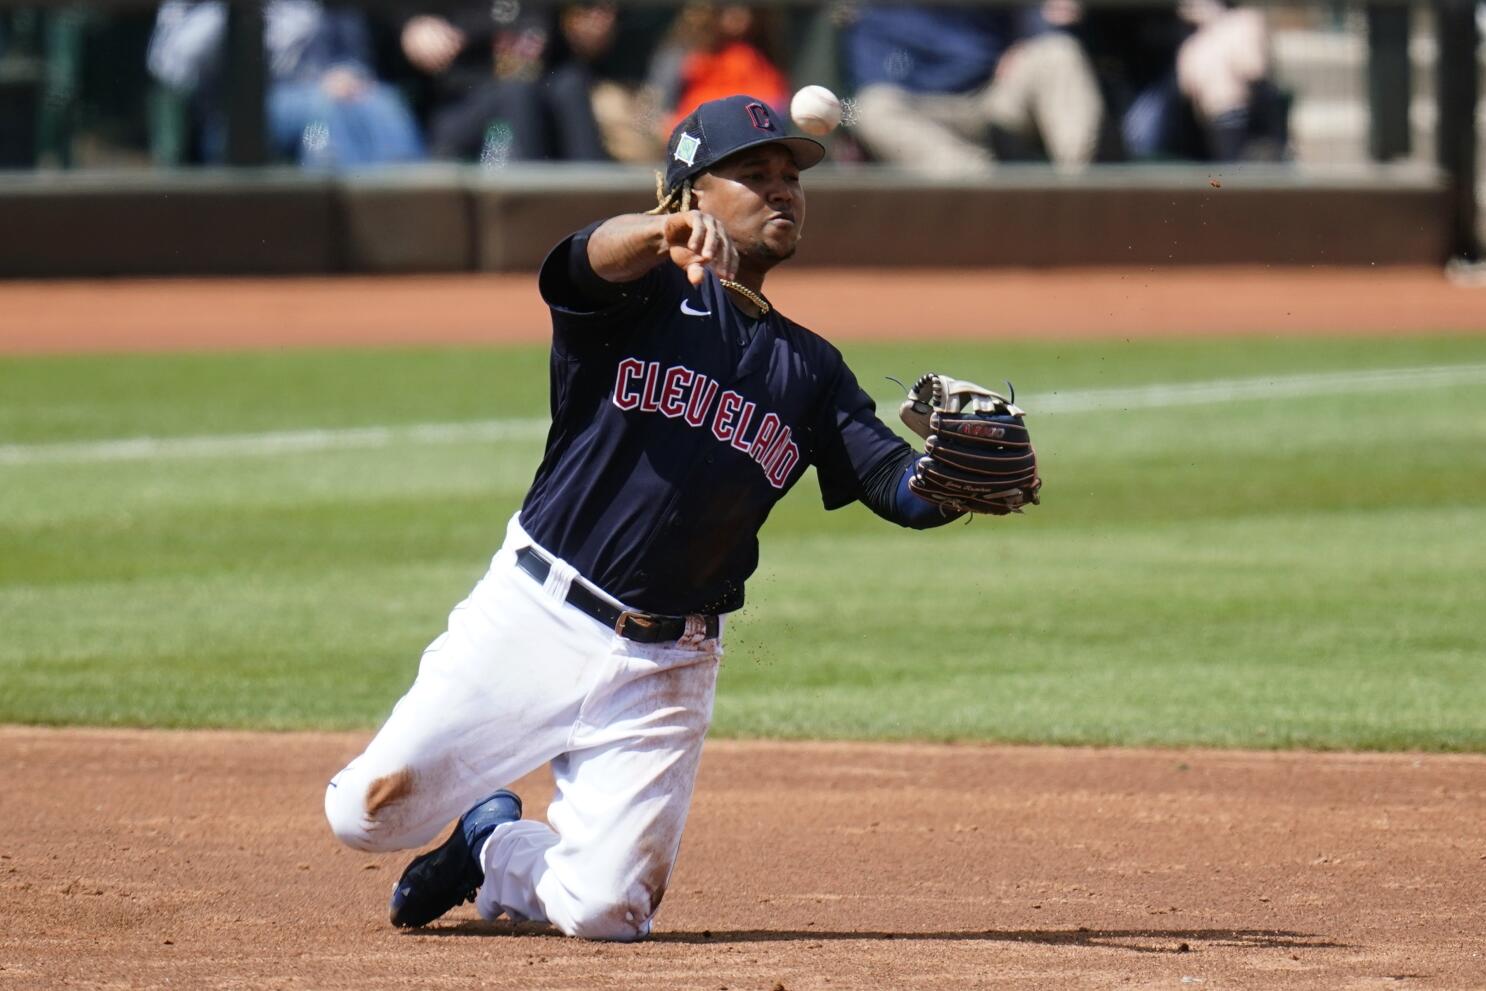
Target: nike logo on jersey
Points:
(686, 308)
(680, 393)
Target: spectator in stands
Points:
(713, 52)
(512, 85)
(1222, 70)
(628, 107)
(324, 104)
(1187, 80)
(947, 90)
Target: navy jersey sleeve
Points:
(587, 311)
(854, 442)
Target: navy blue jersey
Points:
(678, 421)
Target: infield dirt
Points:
(201, 859)
(158, 314)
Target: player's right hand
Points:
(697, 241)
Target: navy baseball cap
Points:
(719, 128)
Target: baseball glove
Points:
(980, 457)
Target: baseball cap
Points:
(719, 128)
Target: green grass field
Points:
(1306, 569)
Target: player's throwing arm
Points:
(623, 249)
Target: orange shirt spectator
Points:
(735, 67)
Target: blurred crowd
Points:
(942, 89)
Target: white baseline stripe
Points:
(1265, 387)
(1084, 400)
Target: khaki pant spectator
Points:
(1043, 87)
(1218, 65)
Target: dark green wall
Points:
(448, 219)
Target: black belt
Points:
(641, 627)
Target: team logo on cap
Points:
(759, 114)
(686, 149)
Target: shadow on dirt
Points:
(1134, 940)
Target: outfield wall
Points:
(449, 219)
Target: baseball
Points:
(815, 110)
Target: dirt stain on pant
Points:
(388, 790)
(656, 860)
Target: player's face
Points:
(757, 196)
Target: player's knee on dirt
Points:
(344, 812)
(611, 920)
(610, 910)
(355, 809)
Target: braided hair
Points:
(677, 200)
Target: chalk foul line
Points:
(1259, 387)
(1157, 396)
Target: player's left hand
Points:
(698, 241)
(980, 457)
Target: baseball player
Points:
(684, 406)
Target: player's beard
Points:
(765, 255)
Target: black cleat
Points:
(450, 874)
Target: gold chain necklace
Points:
(748, 294)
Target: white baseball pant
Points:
(522, 678)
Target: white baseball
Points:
(815, 110)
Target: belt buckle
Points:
(642, 620)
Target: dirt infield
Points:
(192, 859)
(62, 317)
